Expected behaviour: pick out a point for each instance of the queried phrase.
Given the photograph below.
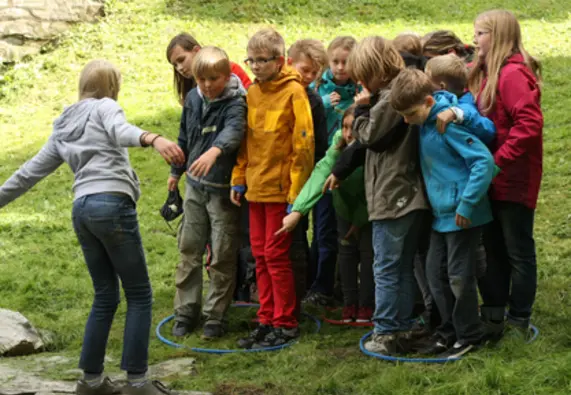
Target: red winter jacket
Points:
(240, 73)
(518, 147)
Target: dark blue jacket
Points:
(219, 123)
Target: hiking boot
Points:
(318, 299)
(107, 387)
(212, 331)
(434, 345)
(349, 313)
(278, 337)
(184, 325)
(493, 331)
(364, 314)
(458, 350)
(382, 344)
(257, 335)
(150, 388)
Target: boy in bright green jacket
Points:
(353, 226)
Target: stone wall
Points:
(26, 25)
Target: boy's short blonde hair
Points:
(267, 40)
(210, 61)
(450, 70)
(409, 89)
(98, 79)
(374, 58)
(314, 50)
(408, 42)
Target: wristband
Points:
(154, 138)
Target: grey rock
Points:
(17, 335)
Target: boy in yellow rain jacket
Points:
(274, 161)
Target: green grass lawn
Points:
(42, 273)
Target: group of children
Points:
(419, 158)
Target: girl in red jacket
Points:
(505, 80)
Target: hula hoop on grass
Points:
(230, 351)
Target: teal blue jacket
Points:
(334, 115)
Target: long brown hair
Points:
(505, 35)
(182, 85)
(442, 42)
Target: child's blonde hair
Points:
(409, 89)
(269, 40)
(313, 50)
(347, 43)
(98, 79)
(408, 42)
(210, 61)
(505, 35)
(374, 58)
(450, 70)
(442, 42)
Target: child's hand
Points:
(443, 119)
(236, 193)
(462, 222)
(172, 183)
(204, 163)
(334, 98)
(353, 229)
(363, 97)
(289, 222)
(331, 183)
(170, 151)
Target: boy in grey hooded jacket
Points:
(92, 137)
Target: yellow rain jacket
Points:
(276, 156)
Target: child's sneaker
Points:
(349, 314)
(382, 344)
(213, 331)
(364, 315)
(107, 387)
(458, 350)
(318, 299)
(257, 335)
(434, 345)
(278, 337)
(149, 388)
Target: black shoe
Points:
(458, 350)
(278, 337)
(493, 331)
(255, 336)
(184, 326)
(433, 346)
(213, 331)
(318, 299)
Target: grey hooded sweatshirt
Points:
(91, 136)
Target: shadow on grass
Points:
(369, 11)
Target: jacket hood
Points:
(70, 125)
(443, 100)
(233, 88)
(347, 91)
(285, 75)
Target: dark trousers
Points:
(299, 255)
(323, 247)
(355, 262)
(511, 276)
(452, 263)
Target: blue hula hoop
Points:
(424, 360)
(230, 351)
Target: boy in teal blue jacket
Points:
(457, 169)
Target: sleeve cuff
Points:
(465, 209)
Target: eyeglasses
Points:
(261, 61)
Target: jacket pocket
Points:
(443, 197)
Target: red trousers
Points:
(274, 274)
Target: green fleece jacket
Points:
(348, 200)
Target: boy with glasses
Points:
(274, 161)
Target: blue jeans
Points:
(395, 242)
(107, 229)
(324, 246)
(511, 275)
